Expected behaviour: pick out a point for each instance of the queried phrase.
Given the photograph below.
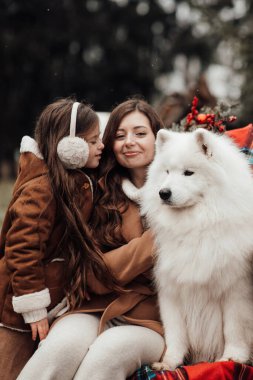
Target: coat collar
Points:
(31, 163)
(131, 191)
(28, 144)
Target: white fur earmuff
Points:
(73, 151)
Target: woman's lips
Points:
(131, 154)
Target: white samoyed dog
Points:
(198, 199)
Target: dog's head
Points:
(184, 166)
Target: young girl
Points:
(45, 244)
(128, 324)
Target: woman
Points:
(128, 323)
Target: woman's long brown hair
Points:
(111, 197)
(78, 244)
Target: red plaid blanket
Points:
(202, 371)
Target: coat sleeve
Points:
(32, 218)
(127, 262)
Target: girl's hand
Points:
(40, 327)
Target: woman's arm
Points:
(126, 262)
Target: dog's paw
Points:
(173, 359)
(239, 356)
(169, 363)
(160, 366)
(235, 358)
(224, 359)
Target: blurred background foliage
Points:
(107, 50)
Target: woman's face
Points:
(134, 145)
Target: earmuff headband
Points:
(73, 151)
(72, 131)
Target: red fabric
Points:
(218, 370)
(201, 371)
(240, 135)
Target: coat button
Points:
(86, 185)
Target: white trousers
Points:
(72, 350)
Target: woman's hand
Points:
(40, 327)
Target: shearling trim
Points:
(132, 192)
(28, 144)
(31, 302)
(35, 316)
(14, 329)
(57, 259)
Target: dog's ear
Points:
(203, 139)
(162, 136)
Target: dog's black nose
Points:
(165, 194)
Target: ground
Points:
(6, 187)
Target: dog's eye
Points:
(188, 172)
(167, 171)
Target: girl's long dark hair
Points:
(111, 200)
(78, 244)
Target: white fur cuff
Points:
(31, 302)
(35, 316)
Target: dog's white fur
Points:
(204, 236)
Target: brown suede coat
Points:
(30, 234)
(131, 265)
